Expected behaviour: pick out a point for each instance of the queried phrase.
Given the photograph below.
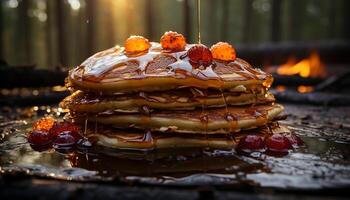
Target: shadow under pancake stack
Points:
(149, 95)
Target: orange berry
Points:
(136, 44)
(44, 124)
(223, 51)
(173, 41)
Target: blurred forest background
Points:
(48, 33)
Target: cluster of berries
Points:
(64, 137)
(275, 144)
(198, 54)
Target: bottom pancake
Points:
(209, 121)
(135, 139)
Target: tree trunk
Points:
(346, 21)
(149, 19)
(90, 9)
(295, 19)
(1, 34)
(247, 20)
(187, 19)
(48, 27)
(332, 16)
(61, 33)
(276, 21)
(110, 24)
(25, 29)
(225, 17)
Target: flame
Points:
(308, 67)
(305, 89)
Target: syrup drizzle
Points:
(199, 21)
(116, 64)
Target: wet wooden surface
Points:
(325, 123)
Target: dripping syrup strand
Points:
(96, 124)
(199, 21)
(204, 118)
(85, 127)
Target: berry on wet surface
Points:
(44, 124)
(173, 41)
(294, 140)
(278, 143)
(223, 51)
(200, 55)
(250, 143)
(39, 137)
(66, 141)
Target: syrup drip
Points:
(146, 137)
(233, 122)
(205, 120)
(95, 125)
(260, 116)
(85, 127)
(199, 20)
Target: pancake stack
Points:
(150, 95)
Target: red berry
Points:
(39, 137)
(294, 140)
(64, 139)
(278, 143)
(200, 55)
(63, 126)
(250, 143)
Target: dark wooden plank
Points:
(11, 77)
(53, 189)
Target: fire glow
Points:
(309, 67)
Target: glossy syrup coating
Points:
(136, 44)
(200, 55)
(173, 41)
(223, 51)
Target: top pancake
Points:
(115, 71)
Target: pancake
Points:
(113, 70)
(123, 139)
(185, 99)
(208, 121)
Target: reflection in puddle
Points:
(322, 164)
